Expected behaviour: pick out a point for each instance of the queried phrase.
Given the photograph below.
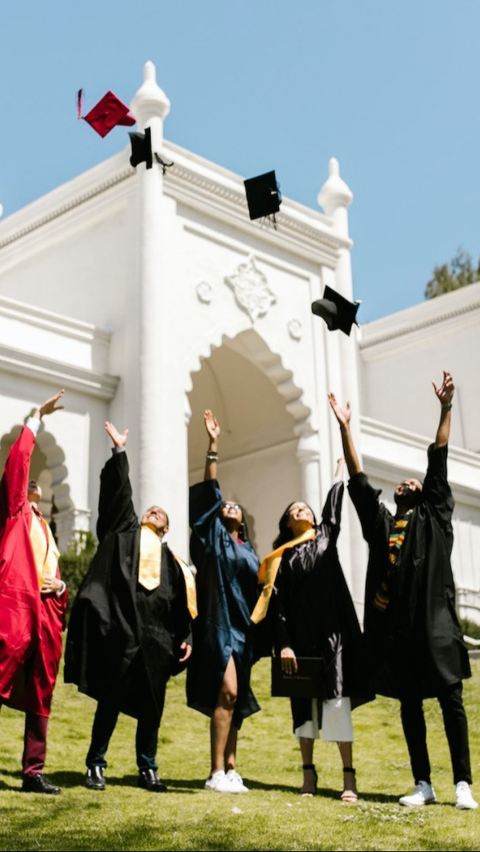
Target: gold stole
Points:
(45, 551)
(268, 571)
(150, 562)
(190, 587)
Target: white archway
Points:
(265, 425)
(48, 468)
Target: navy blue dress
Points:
(227, 591)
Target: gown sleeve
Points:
(205, 502)
(278, 608)
(365, 498)
(436, 489)
(14, 485)
(332, 510)
(116, 513)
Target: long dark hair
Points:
(285, 533)
(242, 532)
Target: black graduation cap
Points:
(141, 148)
(337, 311)
(263, 195)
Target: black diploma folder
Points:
(305, 683)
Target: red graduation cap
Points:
(105, 115)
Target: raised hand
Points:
(49, 406)
(343, 415)
(211, 425)
(446, 390)
(118, 438)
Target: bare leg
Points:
(349, 793)
(230, 753)
(221, 721)
(309, 786)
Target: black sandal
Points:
(349, 796)
(305, 792)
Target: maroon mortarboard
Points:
(337, 311)
(105, 115)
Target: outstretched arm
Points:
(115, 507)
(343, 417)
(445, 395)
(213, 432)
(14, 490)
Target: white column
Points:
(308, 454)
(150, 105)
(335, 197)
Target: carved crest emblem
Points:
(251, 289)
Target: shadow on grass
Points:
(190, 786)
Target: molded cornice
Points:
(197, 183)
(57, 373)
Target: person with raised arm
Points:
(415, 643)
(218, 679)
(129, 628)
(312, 615)
(33, 600)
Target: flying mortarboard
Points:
(142, 151)
(263, 195)
(141, 148)
(337, 311)
(105, 115)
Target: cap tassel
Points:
(162, 163)
(79, 104)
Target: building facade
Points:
(151, 297)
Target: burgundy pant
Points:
(34, 744)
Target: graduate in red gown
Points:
(33, 600)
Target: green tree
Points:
(75, 562)
(450, 276)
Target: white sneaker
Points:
(217, 782)
(465, 800)
(221, 783)
(237, 781)
(422, 794)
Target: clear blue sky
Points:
(390, 89)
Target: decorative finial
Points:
(334, 193)
(150, 101)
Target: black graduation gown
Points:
(114, 621)
(227, 591)
(313, 613)
(416, 646)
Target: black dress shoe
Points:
(149, 780)
(39, 784)
(95, 779)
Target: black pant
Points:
(456, 729)
(148, 713)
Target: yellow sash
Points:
(45, 551)
(190, 587)
(150, 562)
(268, 571)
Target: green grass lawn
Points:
(272, 816)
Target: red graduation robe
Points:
(31, 624)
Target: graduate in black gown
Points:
(130, 623)
(218, 678)
(414, 640)
(312, 615)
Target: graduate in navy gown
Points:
(218, 679)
